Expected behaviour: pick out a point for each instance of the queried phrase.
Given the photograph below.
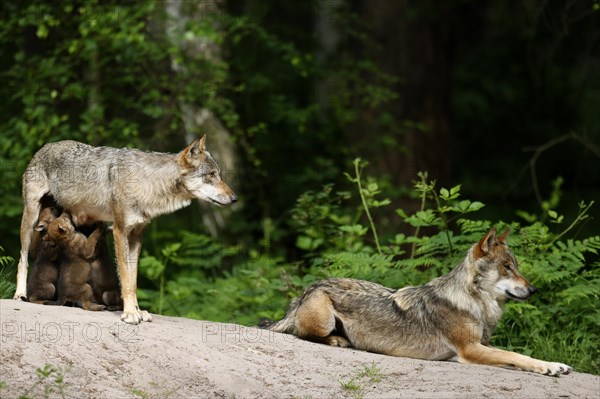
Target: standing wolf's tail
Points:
(287, 325)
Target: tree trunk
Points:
(198, 119)
(413, 43)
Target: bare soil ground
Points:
(100, 357)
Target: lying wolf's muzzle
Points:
(521, 294)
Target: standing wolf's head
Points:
(497, 268)
(201, 175)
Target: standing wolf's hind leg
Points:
(32, 194)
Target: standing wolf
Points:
(125, 186)
(452, 315)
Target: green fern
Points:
(357, 265)
(585, 290)
(7, 276)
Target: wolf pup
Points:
(75, 268)
(125, 186)
(41, 284)
(105, 282)
(452, 315)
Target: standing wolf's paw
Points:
(135, 317)
(145, 315)
(556, 369)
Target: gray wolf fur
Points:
(451, 316)
(41, 284)
(74, 279)
(125, 186)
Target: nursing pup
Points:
(41, 284)
(76, 252)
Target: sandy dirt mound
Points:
(100, 357)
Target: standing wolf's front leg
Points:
(127, 267)
(135, 247)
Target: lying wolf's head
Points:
(201, 175)
(497, 268)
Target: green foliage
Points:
(7, 276)
(197, 277)
(371, 371)
(355, 385)
(50, 379)
(565, 270)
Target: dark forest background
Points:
(497, 100)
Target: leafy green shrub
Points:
(7, 276)
(196, 277)
(560, 323)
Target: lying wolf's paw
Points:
(135, 317)
(555, 369)
(335, 340)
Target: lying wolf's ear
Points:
(502, 237)
(202, 143)
(190, 156)
(484, 245)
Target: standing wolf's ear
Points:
(484, 245)
(502, 237)
(190, 158)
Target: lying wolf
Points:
(125, 186)
(452, 315)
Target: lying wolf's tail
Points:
(287, 325)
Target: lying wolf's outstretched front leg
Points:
(127, 247)
(480, 354)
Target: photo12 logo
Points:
(67, 332)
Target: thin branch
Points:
(532, 162)
(357, 170)
(538, 151)
(583, 214)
